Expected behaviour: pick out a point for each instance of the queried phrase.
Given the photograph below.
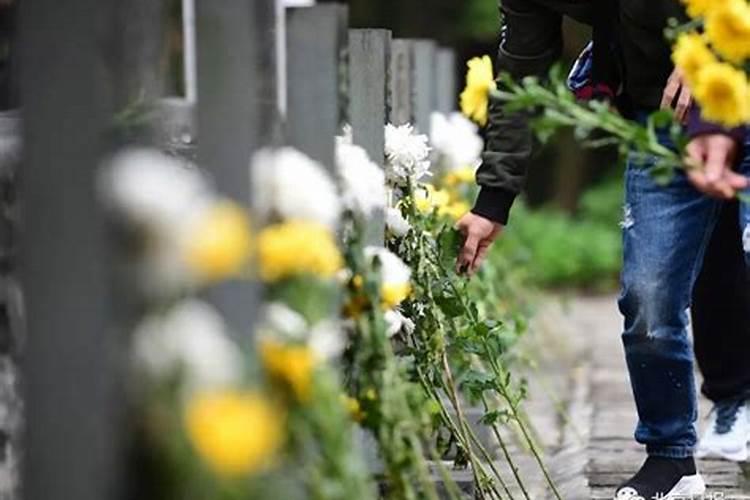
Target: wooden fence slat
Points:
(175, 127)
(316, 38)
(424, 83)
(227, 92)
(74, 356)
(445, 81)
(137, 64)
(369, 53)
(400, 108)
(232, 117)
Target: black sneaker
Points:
(663, 479)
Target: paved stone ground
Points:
(589, 445)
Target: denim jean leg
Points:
(665, 232)
(744, 169)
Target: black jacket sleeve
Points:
(530, 44)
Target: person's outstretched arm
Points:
(530, 44)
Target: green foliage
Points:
(555, 249)
(594, 123)
(481, 19)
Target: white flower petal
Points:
(289, 185)
(190, 339)
(395, 222)
(407, 154)
(284, 320)
(363, 181)
(455, 141)
(397, 322)
(393, 269)
(163, 197)
(327, 340)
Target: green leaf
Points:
(449, 242)
(450, 305)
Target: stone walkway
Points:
(589, 445)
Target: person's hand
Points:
(710, 158)
(677, 95)
(479, 233)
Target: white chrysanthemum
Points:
(289, 185)
(407, 154)
(363, 181)
(455, 141)
(326, 338)
(393, 270)
(397, 322)
(190, 339)
(395, 222)
(163, 198)
(150, 187)
(281, 319)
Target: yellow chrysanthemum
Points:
(353, 408)
(480, 81)
(699, 8)
(392, 294)
(427, 198)
(297, 248)
(235, 433)
(463, 175)
(455, 210)
(728, 29)
(221, 244)
(691, 55)
(722, 91)
(290, 364)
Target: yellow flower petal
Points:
(221, 243)
(455, 210)
(722, 91)
(235, 433)
(699, 8)
(728, 29)
(427, 198)
(297, 248)
(392, 294)
(480, 81)
(691, 55)
(290, 364)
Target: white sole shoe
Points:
(734, 455)
(686, 487)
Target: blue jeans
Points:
(666, 230)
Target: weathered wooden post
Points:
(234, 116)
(74, 355)
(445, 80)
(424, 83)
(401, 76)
(316, 41)
(369, 59)
(136, 64)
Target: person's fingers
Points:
(468, 252)
(737, 181)
(670, 92)
(717, 166)
(684, 101)
(482, 251)
(698, 180)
